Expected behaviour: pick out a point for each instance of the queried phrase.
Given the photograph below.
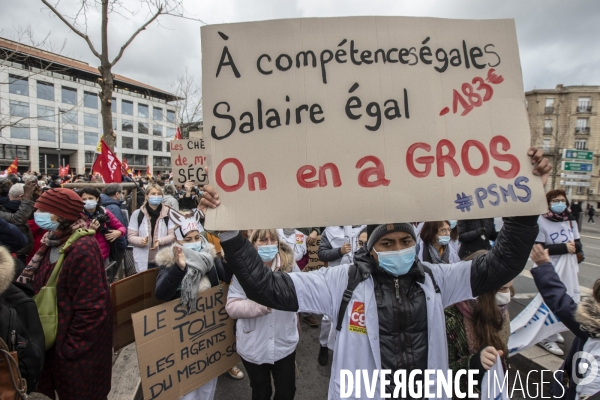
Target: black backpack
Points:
(21, 329)
(354, 278)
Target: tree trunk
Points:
(106, 84)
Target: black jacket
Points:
(488, 272)
(114, 207)
(470, 232)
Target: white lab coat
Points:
(338, 235)
(296, 241)
(140, 254)
(320, 292)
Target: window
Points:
(126, 107)
(157, 145)
(171, 116)
(582, 125)
(69, 136)
(581, 144)
(157, 130)
(70, 117)
(18, 85)
(19, 131)
(11, 151)
(580, 190)
(157, 114)
(45, 91)
(548, 123)
(143, 127)
(142, 111)
(19, 109)
(140, 160)
(126, 125)
(142, 144)
(170, 132)
(90, 120)
(550, 102)
(126, 142)
(546, 145)
(90, 138)
(45, 134)
(113, 105)
(169, 148)
(90, 100)
(69, 95)
(584, 104)
(89, 156)
(45, 113)
(161, 161)
(114, 123)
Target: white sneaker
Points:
(560, 338)
(553, 348)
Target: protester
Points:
(405, 291)
(560, 235)
(107, 226)
(188, 267)
(147, 242)
(295, 239)
(11, 236)
(591, 214)
(477, 331)
(576, 211)
(266, 338)
(78, 366)
(55, 182)
(189, 200)
(20, 218)
(112, 199)
(169, 197)
(454, 243)
(435, 244)
(582, 319)
(474, 235)
(362, 238)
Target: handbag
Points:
(12, 385)
(45, 300)
(579, 254)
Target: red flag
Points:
(108, 165)
(125, 168)
(13, 168)
(178, 134)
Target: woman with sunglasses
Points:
(560, 235)
(435, 245)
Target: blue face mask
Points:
(44, 221)
(90, 204)
(268, 252)
(452, 223)
(154, 200)
(397, 262)
(558, 208)
(443, 240)
(195, 246)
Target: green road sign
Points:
(574, 166)
(578, 154)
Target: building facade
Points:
(567, 118)
(50, 106)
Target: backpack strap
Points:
(354, 278)
(140, 218)
(430, 273)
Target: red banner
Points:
(108, 165)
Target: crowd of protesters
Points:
(434, 295)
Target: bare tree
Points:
(189, 92)
(78, 23)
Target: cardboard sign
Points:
(180, 351)
(313, 258)
(128, 296)
(361, 120)
(188, 161)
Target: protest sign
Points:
(179, 351)
(128, 296)
(313, 258)
(341, 121)
(188, 161)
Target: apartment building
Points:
(50, 107)
(567, 118)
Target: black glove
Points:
(481, 232)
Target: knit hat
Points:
(376, 232)
(62, 202)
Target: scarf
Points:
(198, 264)
(552, 216)
(154, 216)
(435, 255)
(50, 239)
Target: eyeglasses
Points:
(444, 230)
(558, 201)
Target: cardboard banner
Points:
(188, 161)
(342, 121)
(180, 351)
(313, 259)
(128, 296)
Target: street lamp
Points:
(60, 113)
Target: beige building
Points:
(567, 118)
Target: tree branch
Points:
(77, 31)
(141, 28)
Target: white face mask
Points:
(502, 298)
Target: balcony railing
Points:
(547, 131)
(582, 131)
(584, 109)
(549, 110)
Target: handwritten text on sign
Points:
(180, 351)
(339, 121)
(188, 161)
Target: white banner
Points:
(536, 322)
